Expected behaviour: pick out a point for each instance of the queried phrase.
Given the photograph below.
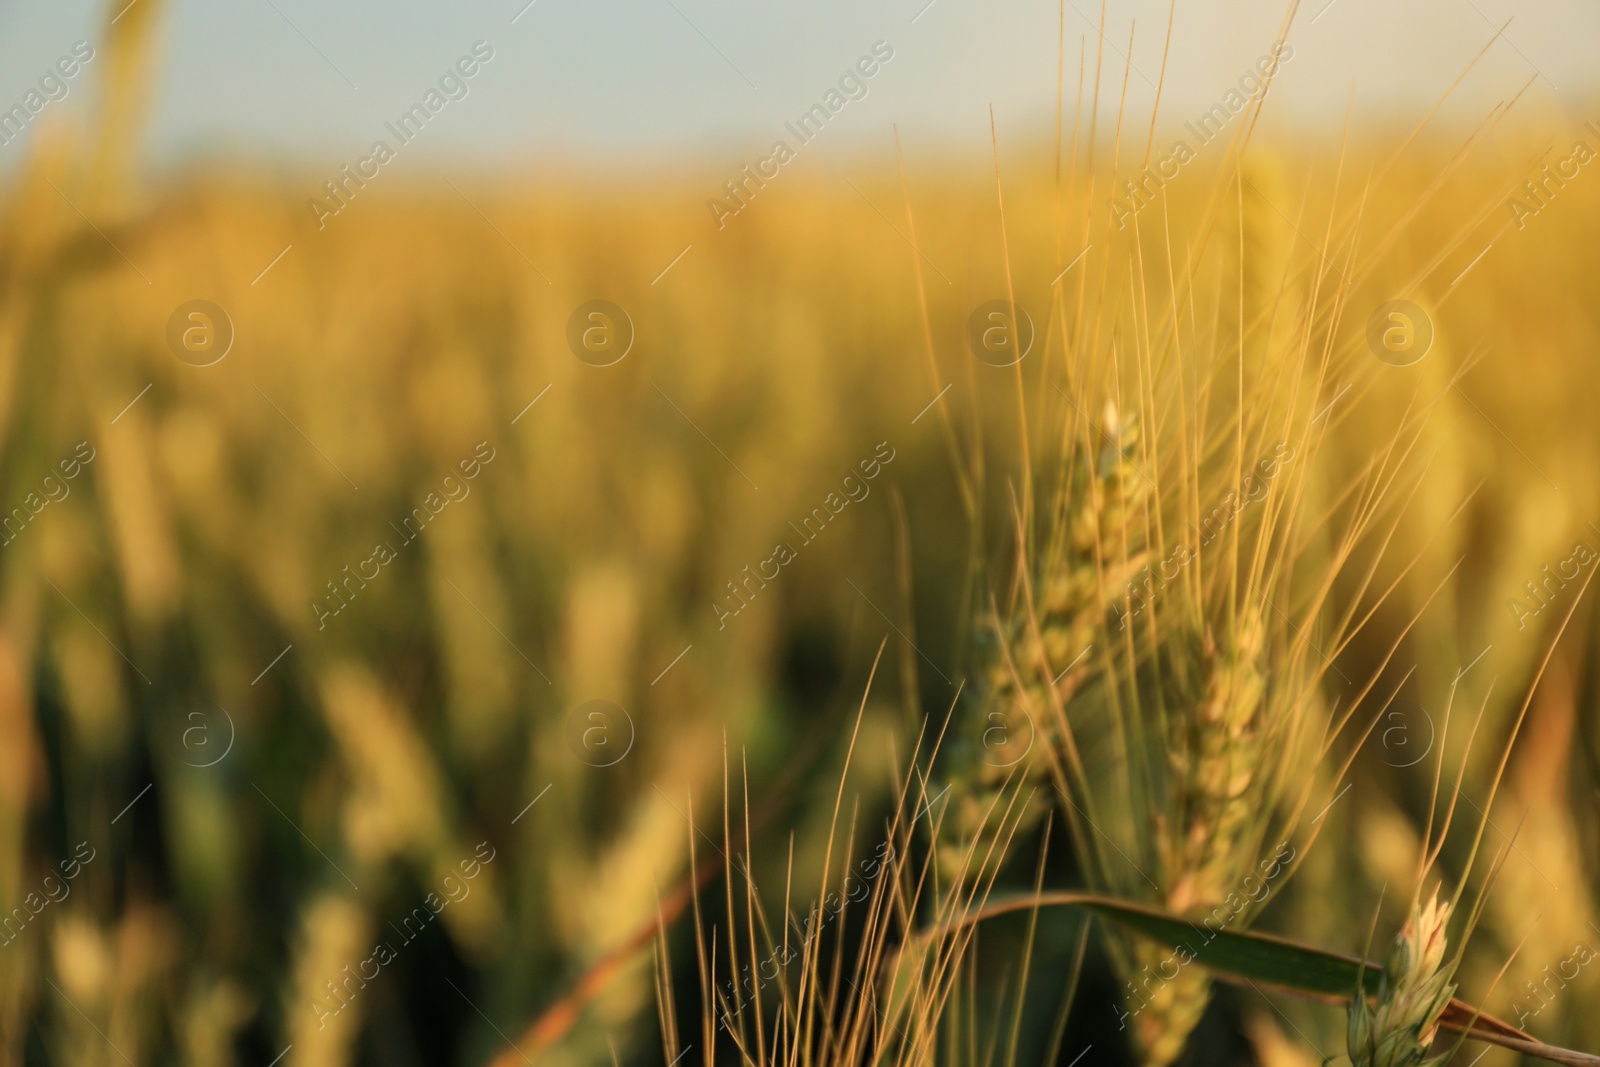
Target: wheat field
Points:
(420, 681)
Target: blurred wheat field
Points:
(268, 790)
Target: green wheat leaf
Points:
(1262, 959)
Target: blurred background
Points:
(323, 536)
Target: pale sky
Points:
(620, 86)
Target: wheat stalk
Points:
(1184, 746)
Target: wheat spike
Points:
(1413, 990)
